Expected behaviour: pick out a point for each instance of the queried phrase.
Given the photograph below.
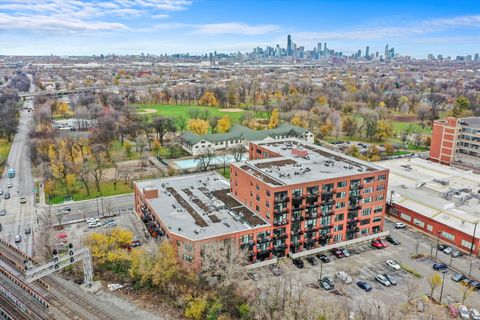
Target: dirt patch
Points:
(231, 110)
(146, 111)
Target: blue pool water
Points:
(192, 163)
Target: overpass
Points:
(98, 89)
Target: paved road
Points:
(95, 208)
(19, 215)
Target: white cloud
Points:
(160, 16)
(235, 28)
(422, 27)
(222, 28)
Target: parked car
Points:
(439, 267)
(323, 257)
(337, 253)
(384, 281)
(364, 286)
(67, 209)
(399, 225)
(9, 185)
(6, 195)
(475, 285)
(298, 263)
(346, 253)
(92, 225)
(343, 276)
(28, 230)
(1, 192)
(253, 276)
(463, 310)
(393, 264)
(441, 247)
(110, 224)
(275, 270)
(448, 250)
(91, 220)
(324, 284)
(329, 280)
(3, 212)
(377, 243)
(456, 253)
(392, 240)
(1, 227)
(23, 200)
(312, 261)
(18, 238)
(474, 314)
(390, 279)
(458, 277)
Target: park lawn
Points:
(398, 126)
(173, 152)
(117, 148)
(4, 149)
(183, 110)
(226, 174)
(80, 192)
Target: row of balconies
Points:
(357, 186)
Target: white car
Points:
(9, 185)
(399, 225)
(343, 276)
(474, 314)
(18, 238)
(463, 310)
(1, 192)
(393, 264)
(94, 225)
(380, 278)
(92, 220)
(114, 286)
(23, 200)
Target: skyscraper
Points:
(367, 52)
(385, 55)
(289, 45)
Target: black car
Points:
(0, 227)
(312, 261)
(298, 263)
(392, 240)
(475, 285)
(323, 257)
(442, 247)
(439, 267)
(325, 285)
(6, 195)
(328, 280)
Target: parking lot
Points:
(366, 262)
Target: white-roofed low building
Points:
(437, 199)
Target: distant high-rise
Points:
(476, 58)
(289, 45)
(385, 55)
(367, 52)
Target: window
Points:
(340, 205)
(337, 238)
(364, 222)
(381, 187)
(257, 197)
(382, 177)
(341, 194)
(268, 193)
(419, 223)
(366, 211)
(447, 235)
(187, 257)
(377, 219)
(341, 184)
(368, 180)
(379, 197)
(405, 217)
(364, 231)
(338, 227)
(429, 227)
(339, 217)
(368, 190)
(257, 208)
(327, 187)
(378, 209)
(467, 244)
(267, 204)
(367, 199)
(258, 188)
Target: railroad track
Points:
(61, 300)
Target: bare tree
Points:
(436, 101)
(422, 113)
(204, 159)
(238, 152)
(411, 291)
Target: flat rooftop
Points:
(445, 194)
(301, 162)
(199, 206)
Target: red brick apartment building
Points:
(289, 197)
(456, 141)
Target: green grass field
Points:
(183, 111)
(399, 126)
(80, 192)
(4, 149)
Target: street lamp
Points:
(473, 237)
(438, 243)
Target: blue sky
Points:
(87, 27)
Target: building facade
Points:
(456, 142)
(310, 195)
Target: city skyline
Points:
(84, 27)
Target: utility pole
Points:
(321, 270)
(441, 290)
(438, 243)
(473, 237)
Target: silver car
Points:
(3, 212)
(380, 278)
